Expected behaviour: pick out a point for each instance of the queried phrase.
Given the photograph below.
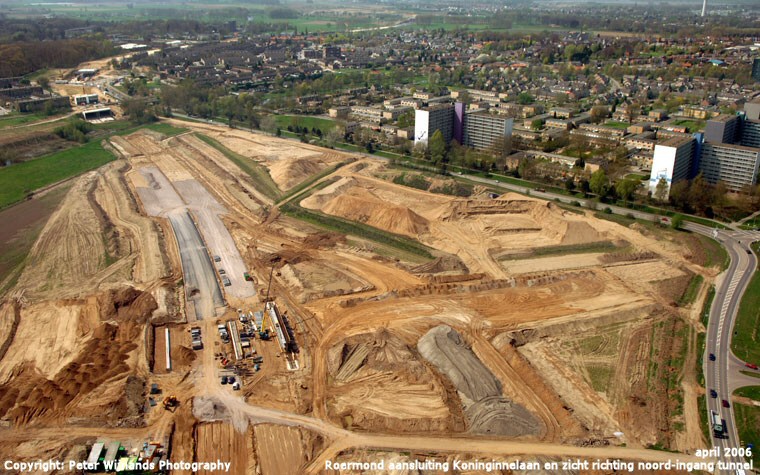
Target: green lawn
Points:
(692, 125)
(748, 425)
(283, 121)
(14, 119)
(258, 173)
(617, 125)
(746, 341)
(17, 181)
(751, 392)
(166, 129)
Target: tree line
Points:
(17, 59)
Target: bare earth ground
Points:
(543, 356)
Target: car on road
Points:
(749, 252)
(217, 259)
(725, 403)
(751, 365)
(224, 380)
(712, 356)
(231, 379)
(222, 271)
(226, 282)
(713, 393)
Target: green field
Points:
(17, 181)
(12, 120)
(258, 173)
(283, 121)
(746, 341)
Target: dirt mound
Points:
(363, 206)
(289, 173)
(441, 264)
(382, 351)
(104, 358)
(380, 382)
(182, 356)
(323, 196)
(126, 303)
(487, 411)
(324, 240)
(579, 233)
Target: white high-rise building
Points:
(673, 160)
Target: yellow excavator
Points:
(171, 403)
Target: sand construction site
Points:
(429, 325)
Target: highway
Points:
(722, 375)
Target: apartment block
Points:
(482, 129)
(735, 165)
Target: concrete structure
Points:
(84, 99)
(432, 118)
(482, 130)
(102, 114)
(673, 160)
(735, 165)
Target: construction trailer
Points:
(168, 350)
(195, 334)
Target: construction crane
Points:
(171, 403)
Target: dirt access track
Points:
(481, 350)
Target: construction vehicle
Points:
(247, 276)
(171, 403)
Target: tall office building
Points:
(756, 69)
(482, 129)
(432, 118)
(673, 160)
